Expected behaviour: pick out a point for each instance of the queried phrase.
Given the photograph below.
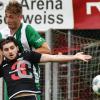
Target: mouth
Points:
(11, 55)
(9, 24)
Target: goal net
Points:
(74, 80)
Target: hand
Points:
(83, 57)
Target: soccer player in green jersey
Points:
(26, 36)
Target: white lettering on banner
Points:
(89, 6)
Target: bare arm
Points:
(64, 58)
(43, 49)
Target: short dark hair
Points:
(14, 7)
(7, 40)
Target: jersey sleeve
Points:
(33, 37)
(32, 56)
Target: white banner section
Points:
(44, 14)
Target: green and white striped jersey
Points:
(26, 37)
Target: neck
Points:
(13, 30)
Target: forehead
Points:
(8, 45)
(10, 14)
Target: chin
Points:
(11, 58)
(10, 26)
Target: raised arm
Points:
(65, 58)
(36, 41)
(44, 49)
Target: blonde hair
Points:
(14, 7)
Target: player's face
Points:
(10, 51)
(12, 20)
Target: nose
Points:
(10, 51)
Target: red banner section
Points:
(86, 14)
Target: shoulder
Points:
(27, 54)
(30, 32)
(4, 63)
(31, 56)
(28, 27)
(30, 53)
